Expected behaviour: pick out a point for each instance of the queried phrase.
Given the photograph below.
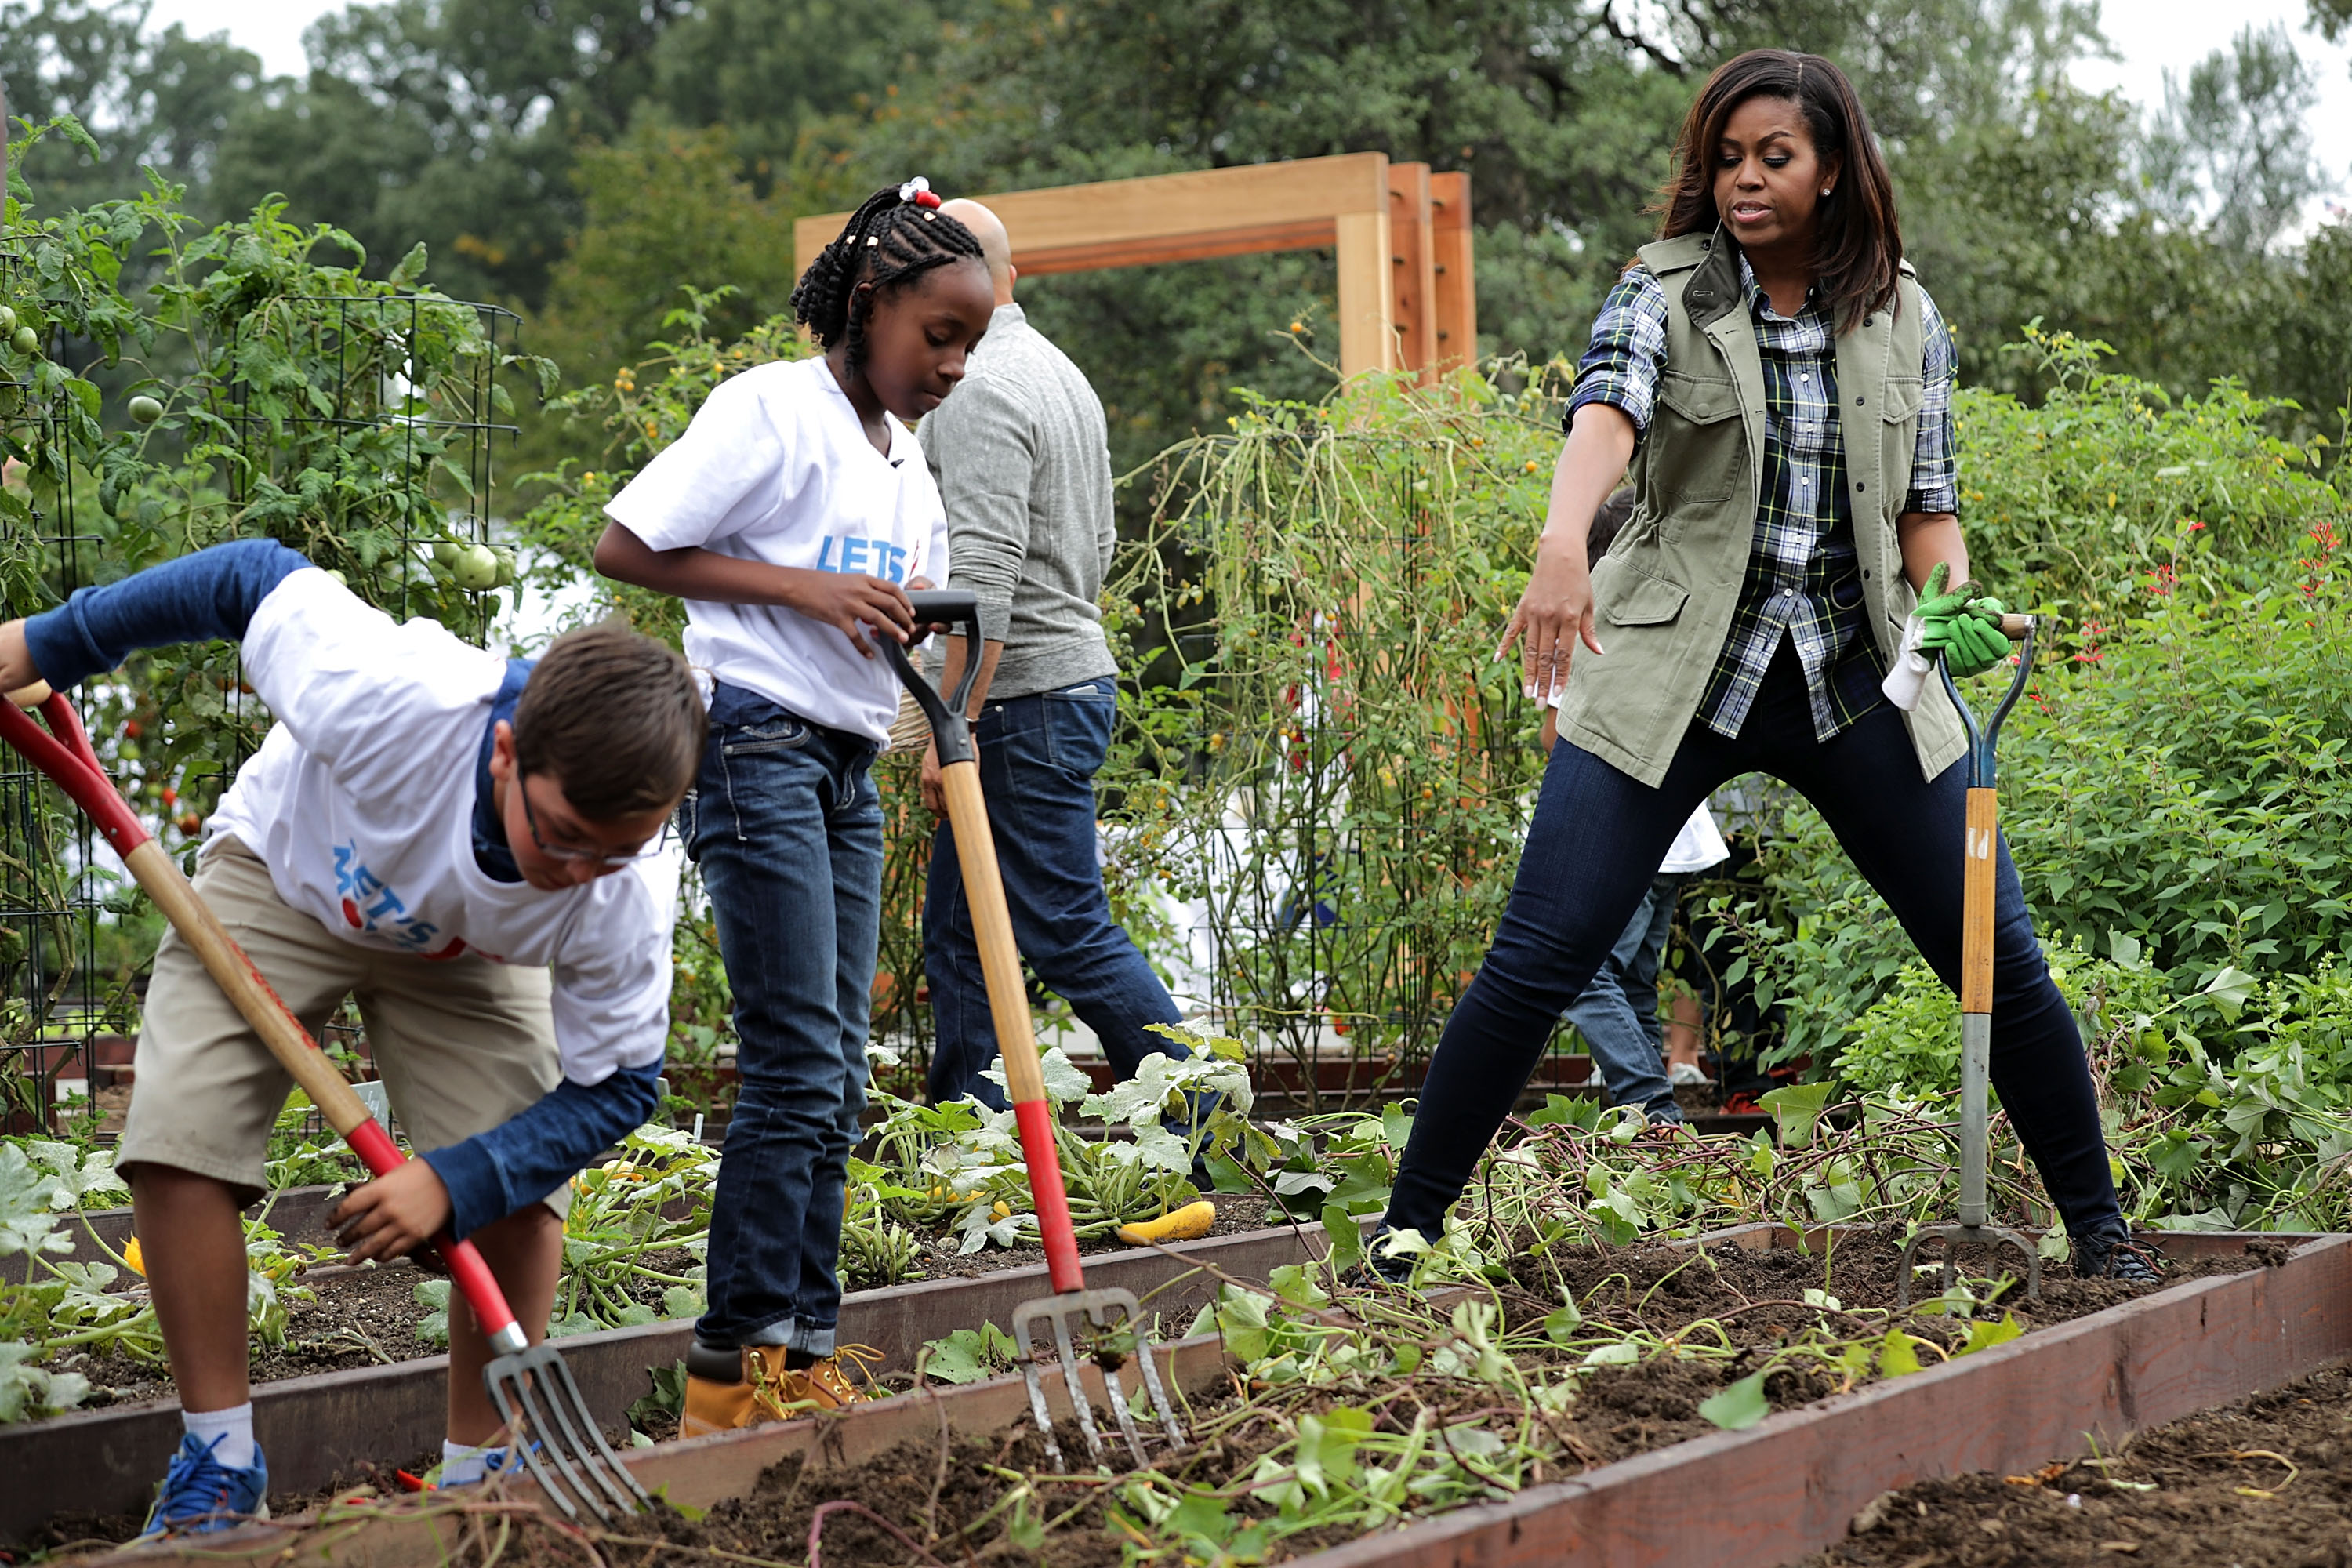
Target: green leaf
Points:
(1562, 1323)
(2231, 990)
(1327, 1446)
(1347, 1237)
(1740, 1406)
(1984, 1335)
(1896, 1356)
(1797, 1108)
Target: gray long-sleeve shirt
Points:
(1022, 456)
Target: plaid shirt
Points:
(1803, 576)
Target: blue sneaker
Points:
(201, 1494)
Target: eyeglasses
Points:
(566, 855)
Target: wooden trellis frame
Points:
(1407, 294)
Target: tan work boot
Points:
(767, 1389)
(830, 1385)
(714, 1401)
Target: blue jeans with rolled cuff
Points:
(1617, 1013)
(1596, 842)
(784, 821)
(1038, 757)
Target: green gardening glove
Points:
(1962, 624)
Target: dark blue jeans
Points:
(1618, 1011)
(1596, 839)
(1038, 757)
(787, 828)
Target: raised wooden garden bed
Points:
(318, 1428)
(1751, 1499)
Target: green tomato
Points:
(146, 410)
(446, 551)
(340, 581)
(475, 568)
(27, 340)
(505, 564)
(8, 320)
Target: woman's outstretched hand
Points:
(1553, 615)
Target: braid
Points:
(890, 241)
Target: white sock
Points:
(233, 1427)
(462, 1466)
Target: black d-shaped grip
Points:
(949, 729)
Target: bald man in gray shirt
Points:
(1023, 462)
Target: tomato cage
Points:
(358, 427)
(62, 1034)
(363, 430)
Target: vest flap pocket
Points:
(1634, 598)
(1702, 400)
(1904, 396)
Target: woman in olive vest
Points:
(1780, 387)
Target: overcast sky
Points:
(2151, 36)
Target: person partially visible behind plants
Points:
(1780, 386)
(791, 517)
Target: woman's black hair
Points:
(890, 242)
(1859, 241)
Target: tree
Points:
(161, 101)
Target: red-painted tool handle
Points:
(1036, 1119)
(63, 752)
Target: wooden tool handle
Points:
(1008, 1007)
(253, 996)
(1983, 836)
(2015, 626)
(991, 925)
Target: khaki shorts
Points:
(462, 1044)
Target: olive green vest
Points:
(1664, 593)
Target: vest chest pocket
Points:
(1905, 394)
(1698, 433)
(1630, 596)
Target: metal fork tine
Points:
(557, 1447)
(1101, 1312)
(1020, 1323)
(1079, 1404)
(604, 1464)
(505, 1395)
(1160, 1402)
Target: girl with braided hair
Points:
(791, 517)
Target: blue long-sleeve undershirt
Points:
(212, 595)
(209, 595)
(534, 1153)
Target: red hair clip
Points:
(918, 191)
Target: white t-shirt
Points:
(776, 467)
(360, 802)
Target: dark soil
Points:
(2264, 1483)
(935, 1490)
(362, 1317)
(368, 1316)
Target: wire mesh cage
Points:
(57, 1015)
(357, 428)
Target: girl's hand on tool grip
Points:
(1553, 615)
(857, 603)
(394, 1214)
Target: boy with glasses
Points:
(471, 847)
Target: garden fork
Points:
(532, 1389)
(1114, 1316)
(1981, 841)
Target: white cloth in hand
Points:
(1908, 679)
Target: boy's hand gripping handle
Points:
(63, 752)
(991, 922)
